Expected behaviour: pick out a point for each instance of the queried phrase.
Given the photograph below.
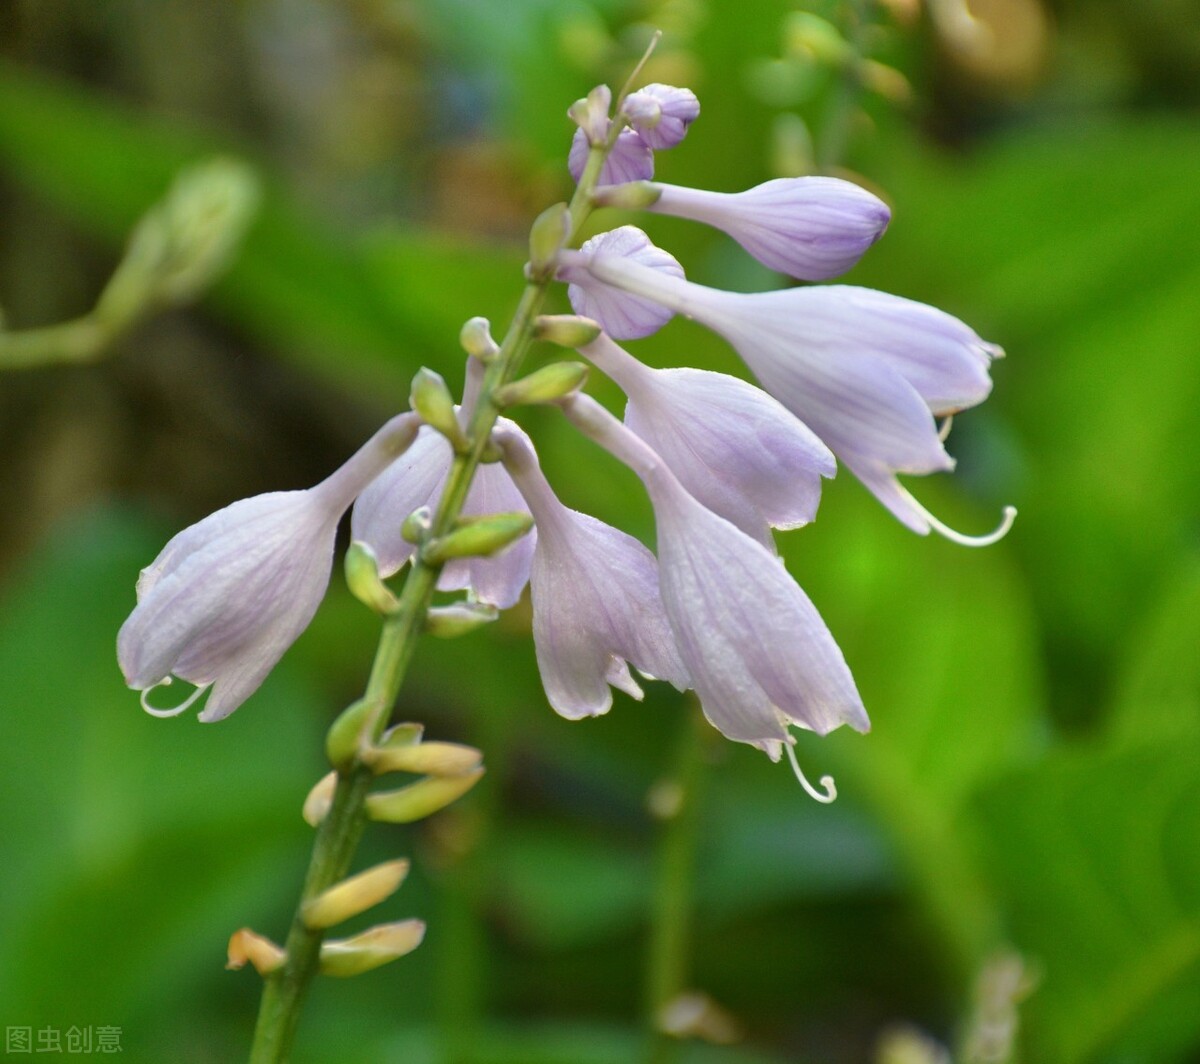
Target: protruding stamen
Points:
(166, 681)
(625, 89)
(830, 788)
(945, 426)
(997, 534)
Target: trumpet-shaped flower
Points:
(623, 315)
(661, 114)
(813, 228)
(733, 447)
(596, 604)
(226, 597)
(867, 371)
(758, 654)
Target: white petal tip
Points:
(187, 703)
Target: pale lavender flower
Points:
(226, 597)
(867, 371)
(661, 114)
(812, 228)
(758, 654)
(734, 448)
(623, 315)
(629, 160)
(596, 606)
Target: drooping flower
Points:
(623, 315)
(865, 370)
(812, 228)
(226, 597)
(735, 449)
(758, 654)
(596, 604)
(661, 114)
(631, 159)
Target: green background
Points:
(1032, 780)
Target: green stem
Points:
(668, 955)
(337, 836)
(81, 340)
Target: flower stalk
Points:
(339, 832)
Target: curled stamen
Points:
(824, 797)
(945, 426)
(997, 534)
(166, 681)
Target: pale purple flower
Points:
(734, 448)
(629, 160)
(596, 606)
(416, 480)
(812, 228)
(758, 654)
(623, 315)
(865, 370)
(661, 114)
(226, 597)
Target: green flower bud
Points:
(459, 618)
(246, 945)
(566, 330)
(476, 340)
(432, 759)
(432, 400)
(402, 735)
(546, 385)
(421, 799)
(549, 235)
(416, 526)
(374, 947)
(632, 195)
(320, 798)
(353, 895)
(478, 537)
(346, 736)
(362, 577)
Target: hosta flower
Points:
(415, 480)
(623, 315)
(630, 159)
(733, 447)
(813, 228)
(865, 370)
(596, 605)
(226, 597)
(758, 654)
(661, 114)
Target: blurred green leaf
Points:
(1095, 851)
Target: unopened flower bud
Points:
(402, 734)
(432, 759)
(345, 738)
(565, 330)
(421, 799)
(432, 400)
(459, 618)
(479, 537)
(416, 525)
(591, 114)
(546, 385)
(661, 114)
(476, 339)
(320, 798)
(547, 238)
(362, 577)
(632, 196)
(353, 895)
(374, 947)
(249, 946)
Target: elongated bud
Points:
(479, 537)
(353, 895)
(459, 618)
(362, 577)
(476, 340)
(546, 385)
(375, 947)
(416, 526)
(547, 238)
(320, 798)
(566, 330)
(345, 738)
(431, 759)
(591, 114)
(432, 400)
(631, 196)
(421, 799)
(402, 735)
(249, 946)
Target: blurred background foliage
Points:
(1021, 830)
